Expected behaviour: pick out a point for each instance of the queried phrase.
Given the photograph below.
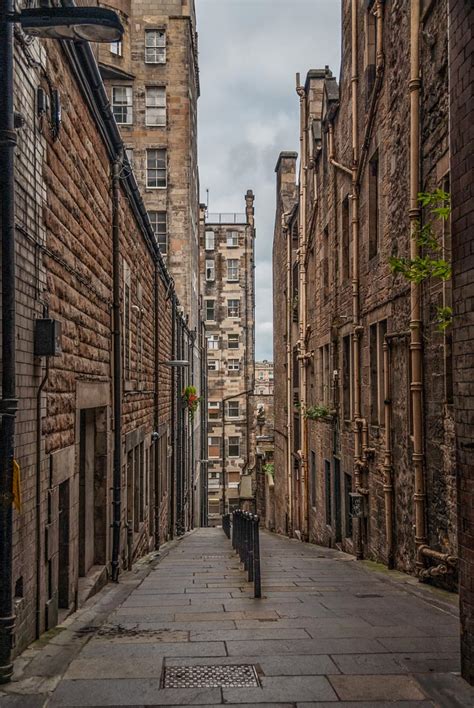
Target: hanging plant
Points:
(191, 400)
(317, 412)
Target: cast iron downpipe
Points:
(174, 413)
(8, 403)
(117, 372)
(39, 556)
(156, 467)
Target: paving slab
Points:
(377, 688)
(283, 688)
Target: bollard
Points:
(251, 524)
(256, 559)
(243, 529)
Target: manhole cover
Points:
(241, 676)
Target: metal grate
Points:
(236, 676)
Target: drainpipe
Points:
(289, 394)
(358, 329)
(302, 361)
(416, 384)
(156, 471)
(39, 557)
(8, 403)
(117, 372)
(387, 462)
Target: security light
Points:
(88, 24)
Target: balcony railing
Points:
(230, 218)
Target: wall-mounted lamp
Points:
(81, 24)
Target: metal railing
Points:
(246, 542)
(229, 218)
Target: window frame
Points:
(233, 444)
(210, 270)
(160, 235)
(128, 106)
(230, 241)
(233, 310)
(237, 341)
(214, 338)
(207, 237)
(157, 168)
(236, 406)
(233, 366)
(155, 47)
(235, 269)
(155, 106)
(207, 303)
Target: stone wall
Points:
(461, 19)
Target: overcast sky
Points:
(249, 53)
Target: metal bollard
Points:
(251, 524)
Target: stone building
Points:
(364, 453)
(264, 458)
(228, 295)
(264, 378)
(461, 81)
(152, 80)
(99, 479)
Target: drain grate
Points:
(367, 595)
(240, 676)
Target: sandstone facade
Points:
(342, 478)
(228, 295)
(62, 534)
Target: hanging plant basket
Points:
(190, 400)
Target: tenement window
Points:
(122, 104)
(233, 409)
(155, 105)
(213, 341)
(214, 409)
(232, 269)
(234, 446)
(210, 240)
(210, 271)
(210, 310)
(232, 341)
(212, 364)
(232, 239)
(155, 46)
(116, 48)
(233, 365)
(233, 308)
(214, 447)
(158, 224)
(156, 168)
(377, 372)
(374, 211)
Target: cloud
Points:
(249, 53)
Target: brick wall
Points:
(461, 18)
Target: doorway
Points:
(63, 550)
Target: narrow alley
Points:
(327, 629)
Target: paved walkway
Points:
(327, 630)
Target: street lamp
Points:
(224, 401)
(72, 23)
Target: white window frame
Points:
(155, 46)
(214, 340)
(214, 444)
(213, 364)
(210, 239)
(233, 310)
(214, 407)
(233, 271)
(210, 319)
(232, 239)
(126, 108)
(233, 405)
(233, 365)
(116, 48)
(210, 271)
(160, 167)
(155, 106)
(158, 220)
(237, 341)
(233, 444)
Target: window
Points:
(156, 168)
(313, 479)
(233, 365)
(129, 154)
(326, 376)
(327, 478)
(213, 341)
(234, 446)
(212, 365)
(346, 240)
(214, 448)
(116, 48)
(155, 47)
(346, 378)
(232, 269)
(232, 341)
(347, 504)
(233, 308)
(325, 263)
(377, 372)
(232, 239)
(210, 271)
(370, 56)
(233, 409)
(158, 223)
(214, 410)
(210, 310)
(210, 240)
(374, 205)
(155, 105)
(122, 104)
(127, 330)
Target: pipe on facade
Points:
(9, 402)
(117, 372)
(387, 462)
(303, 511)
(332, 160)
(39, 556)
(289, 421)
(156, 459)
